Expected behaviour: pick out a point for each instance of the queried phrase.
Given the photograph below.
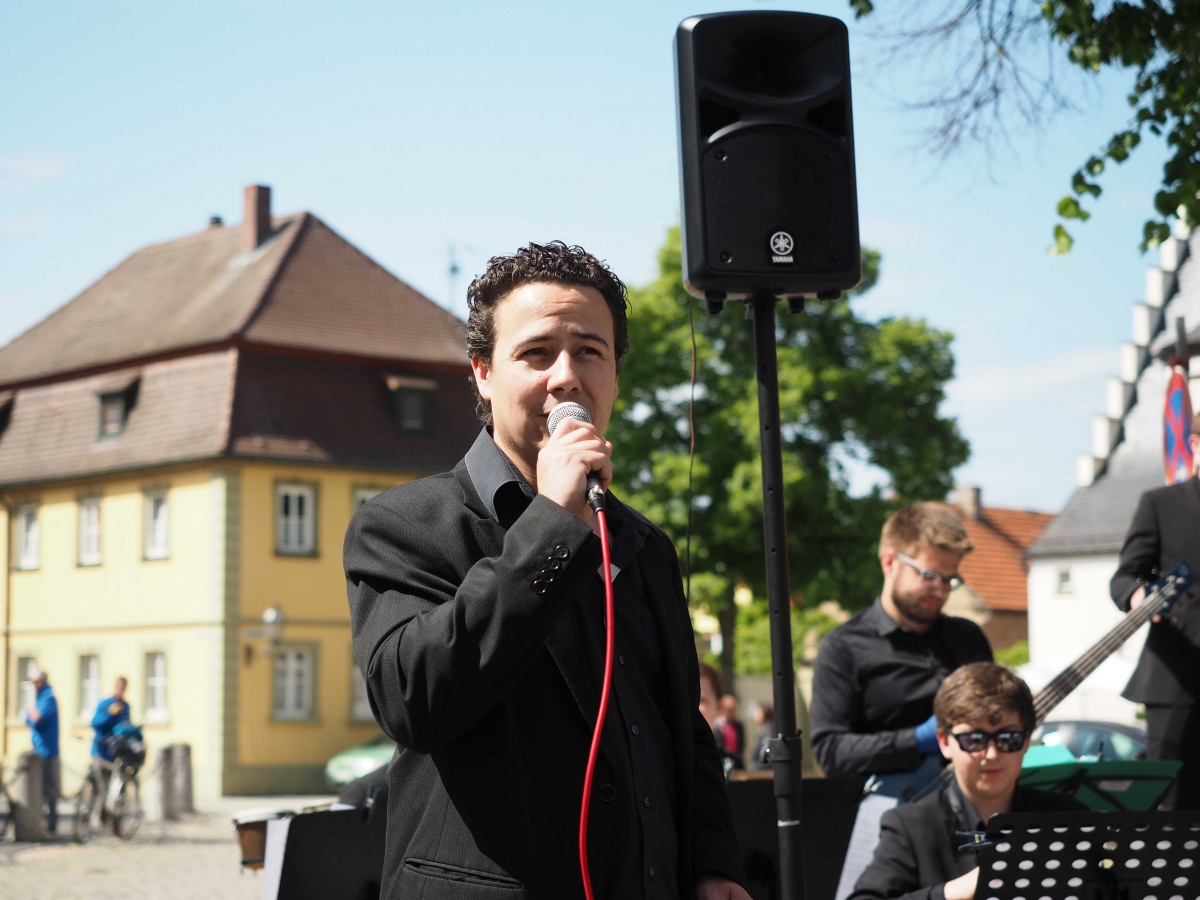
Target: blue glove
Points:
(926, 735)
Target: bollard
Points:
(29, 819)
(168, 807)
(181, 780)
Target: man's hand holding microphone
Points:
(575, 451)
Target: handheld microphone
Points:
(569, 410)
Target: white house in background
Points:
(1073, 560)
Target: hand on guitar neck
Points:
(1138, 598)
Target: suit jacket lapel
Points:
(565, 641)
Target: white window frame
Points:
(295, 519)
(29, 549)
(1062, 582)
(90, 549)
(360, 704)
(89, 685)
(361, 494)
(116, 402)
(26, 692)
(294, 684)
(157, 709)
(157, 537)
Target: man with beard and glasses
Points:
(876, 675)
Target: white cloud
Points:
(27, 170)
(1034, 382)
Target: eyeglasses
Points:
(954, 582)
(977, 741)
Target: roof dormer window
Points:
(117, 400)
(112, 414)
(412, 400)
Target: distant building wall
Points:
(1005, 628)
(1063, 624)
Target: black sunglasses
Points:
(975, 741)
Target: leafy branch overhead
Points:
(1005, 56)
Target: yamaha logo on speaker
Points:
(781, 244)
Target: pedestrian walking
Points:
(42, 719)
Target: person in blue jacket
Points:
(42, 719)
(110, 713)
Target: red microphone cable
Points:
(604, 692)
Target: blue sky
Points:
(410, 126)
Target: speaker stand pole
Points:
(784, 750)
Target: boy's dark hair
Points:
(983, 690)
(552, 263)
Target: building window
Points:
(295, 519)
(28, 538)
(156, 687)
(89, 685)
(1063, 585)
(26, 692)
(294, 683)
(157, 527)
(412, 410)
(362, 495)
(360, 704)
(112, 414)
(89, 532)
(412, 400)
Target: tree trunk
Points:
(727, 617)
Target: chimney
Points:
(968, 500)
(256, 226)
(215, 222)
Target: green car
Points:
(354, 762)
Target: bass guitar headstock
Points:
(1173, 592)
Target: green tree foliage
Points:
(1015, 655)
(1005, 56)
(848, 388)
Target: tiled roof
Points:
(995, 570)
(232, 403)
(304, 287)
(181, 414)
(283, 351)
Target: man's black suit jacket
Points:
(1165, 532)
(483, 684)
(918, 853)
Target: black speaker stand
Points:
(784, 750)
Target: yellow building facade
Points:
(182, 448)
(186, 628)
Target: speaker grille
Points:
(762, 180)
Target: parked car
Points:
(1090, 741)
(357, 761)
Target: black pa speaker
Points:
(767, 155)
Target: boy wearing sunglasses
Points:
(985, 718)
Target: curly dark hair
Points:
(552, 263)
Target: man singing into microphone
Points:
(477, 612)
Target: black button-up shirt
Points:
(643, 757)
(874, 683)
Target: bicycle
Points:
(6, 804)
(117, 783)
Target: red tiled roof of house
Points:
(996, 570)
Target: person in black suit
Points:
(1165, 532)
(477, 614)
(985, 719)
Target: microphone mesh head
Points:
(566, 411)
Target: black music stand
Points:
(1091, 856)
